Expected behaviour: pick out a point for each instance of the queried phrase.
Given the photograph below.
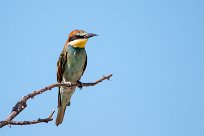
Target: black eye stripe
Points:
(80, 37)
(75, 37)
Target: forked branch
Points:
(22, 104)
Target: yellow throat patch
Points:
(79, 43)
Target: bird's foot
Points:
(68, 104)
(69, 83)
(80, 86)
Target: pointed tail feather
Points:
(60, 115)
(64, 96)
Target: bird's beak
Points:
(90, 35)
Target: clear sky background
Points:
(154, 48)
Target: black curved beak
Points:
(90, 35)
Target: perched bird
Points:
(70, 67)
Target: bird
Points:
(71, 65)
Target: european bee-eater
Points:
(70, 67)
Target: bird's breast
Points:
(75, 64)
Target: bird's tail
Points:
(64, 96)
(60, 115)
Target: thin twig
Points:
(46, 120)
(21, 105)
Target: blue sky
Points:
(153, 48)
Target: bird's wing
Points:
(60, 65)
(60, 69)
(84, 66)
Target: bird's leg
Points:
(69, 83)
(80, 86)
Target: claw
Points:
(69, 83)
(68, 104)
(80, 86)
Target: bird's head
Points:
(78, 38)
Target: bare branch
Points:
(46, 120)
(21, 105)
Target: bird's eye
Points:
(80, 37)
(76, 37)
